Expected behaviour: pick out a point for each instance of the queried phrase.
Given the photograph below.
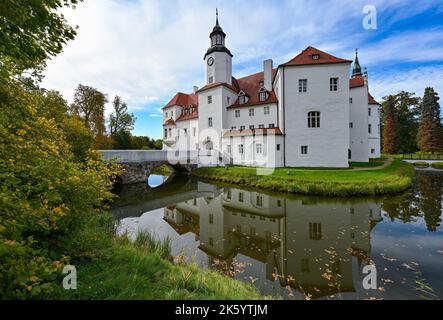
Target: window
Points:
(233, 128)
(259, 201)
(252, 127)
(278, 203)
(333, 84)
(172, 114)
(369, 128)
(278, 147)
(166, 115)
(349, 154)
(315, 231)
(304, 149)
(242, 127)
(259, 148)
(261, 126)
(350, 100)
(251, 112)
(304, 265)
(229, 195)
(240, 149)
(185, 131)
(315, 56)
(372, 151)
(229, 100)
(170, 132)
(209, 122)
(302, 85)
(228, 148)
(242, 99)
(209, 99)
(351, 125)
(314, 119)
(237, 113)
(211, 79)
(271, 126)
(263, 96)
(241, 197)
(369, 112)
(266, 110)
(166, 133)
(211, 218)
(194, 130)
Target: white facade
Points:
(304, 113)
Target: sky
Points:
(148, 50)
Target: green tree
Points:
(30, 33)
(159, 144)
(122, 140)
(391, 139)
(89, 104)
(120, 119)
(80, 139)
(407, 112)
(430, 132)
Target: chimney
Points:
(267, 68)
(195, 89)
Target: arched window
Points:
(241, 98)
(263, 95)
(314, 119)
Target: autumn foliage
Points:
(430, 133)
(391, 138)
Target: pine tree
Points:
(430, 132)
(391, 138)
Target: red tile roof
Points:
(183, 100)
(356, 82)
(169, 122)
(250, 85)
(188, 116)
(371, 99)
(305, 58)
(252, 132)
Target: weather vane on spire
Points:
(216, 16)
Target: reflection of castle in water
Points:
(309, 244)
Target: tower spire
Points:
(216, 16)
(356, 71)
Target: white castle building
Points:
(306, 112)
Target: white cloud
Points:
(146, 51)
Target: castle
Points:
(307, 112)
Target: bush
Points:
(437, 165)
(421, 164)
(46, 197)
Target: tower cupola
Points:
(217, 37)
(356, 71)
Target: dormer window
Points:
(315, 56)
(242, 98)
(263, 95)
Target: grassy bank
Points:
(120, 269)
(395, 178)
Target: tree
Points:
(391, 139)
(407, 112)
(122, 140)
(89, 104)
(30, 33)
(159, 144)
(120, 119)
(430, 134)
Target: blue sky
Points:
(146, 51)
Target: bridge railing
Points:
(183, 157)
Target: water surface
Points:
(299, 247)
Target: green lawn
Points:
(395, 178)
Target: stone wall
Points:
(136, 172)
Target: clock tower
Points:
(218, 58)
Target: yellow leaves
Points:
(29, 288)
(57, 210)
(2, 228)
(10, 242)
(21, 132)
(34, 279)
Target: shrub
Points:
(437, 165)
(421, 164)
(46, 197)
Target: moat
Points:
(298, 247)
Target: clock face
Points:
(210, 61)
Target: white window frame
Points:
(266, 110)
(251, 112)
(241, 148)
(302, 85)
(333, 84)
(304, 150)
(237, 113)
(209, 99)
(210, 123)
(314, 119)
(259, 148)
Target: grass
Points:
(143, 269)
(371, 164)
(341, 183)
(163, 170)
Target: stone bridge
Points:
(139, 164)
